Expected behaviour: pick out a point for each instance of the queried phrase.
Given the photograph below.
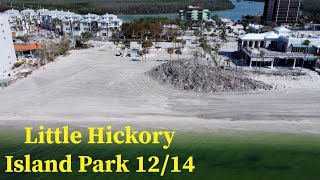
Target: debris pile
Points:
(199, 76)
(18, 73)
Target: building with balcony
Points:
(280, 45)
(282, 11)
(195, 14)
(62, 22)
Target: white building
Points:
(71, 23)
(255, 27)
(28, 12)
(63, 22)
(42, 12)
(13, 15)
(280, 44)
(7, 52)
(21, 23)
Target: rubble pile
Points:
(21, 72)
(195, 75)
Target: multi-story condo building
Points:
(62, 22)
(18, 24)
(71, 24)
(281, 11)
(7, 53)
(107, 24)
(28, 12)
(195, 13)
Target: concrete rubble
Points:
(201, 76)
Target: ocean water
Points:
(241, 8)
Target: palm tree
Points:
(306, 43)
(174, 40)
(223, 33)
(261, 55)
(170, 51)
(146, 44)
(115, 42)
(205, 46)
(216, 48)
(127, 44)
(156, 41)
(178, 52)
(144, 53)
(183, 42)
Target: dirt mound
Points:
(199, 76)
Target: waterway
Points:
(241, 8)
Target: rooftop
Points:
(194, 8)
(282, 29)
(27, 47)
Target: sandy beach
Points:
(94, 86)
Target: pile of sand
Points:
(199, 76)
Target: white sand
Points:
(95, 86)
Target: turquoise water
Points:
(241, 8)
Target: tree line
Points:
(119, 6)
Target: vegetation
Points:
(50, 52)
(24, 38)
(81, 41)
(261, 55)
(311, 6)
(149, 30)
(146, 44)
(119, 6)
(141, 29)
(306, 42)
(170, 51)
(127, 44)
(312, 9)
(178, 52)
(86, 36)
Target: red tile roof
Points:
(27, 47)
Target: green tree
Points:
(178, 52)
(146, 44)
(85, 37)
(127, 44)
(306, 42)
(223, 33)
